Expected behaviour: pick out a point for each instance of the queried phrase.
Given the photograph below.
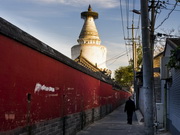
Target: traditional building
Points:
(170, 90)
(89, 52)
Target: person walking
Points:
(129, 109)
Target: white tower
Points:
(89, 42)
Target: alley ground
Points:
(115, 124)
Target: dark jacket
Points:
(129, 106)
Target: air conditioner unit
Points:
(164, 72)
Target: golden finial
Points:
(89, 8)
(89, 13)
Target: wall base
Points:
(68, 125)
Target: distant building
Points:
(89, 52)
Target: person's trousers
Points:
(129, 117)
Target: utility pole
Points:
(147, 69)
(134, 57)
(152, 37)
(134, 49)
(134, 63)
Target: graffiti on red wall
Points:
(39, 87)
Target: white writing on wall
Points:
(9, 116)
(40, 87)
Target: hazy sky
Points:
(58, 23)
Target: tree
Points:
(139, 58)
(160, 39)
(124, 76)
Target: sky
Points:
(57, 23)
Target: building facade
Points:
(170, 92)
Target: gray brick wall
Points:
(96, 113)
(48, 127)
(68, 125)
(73, 124)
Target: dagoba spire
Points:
(89, 33)
(89, 44)
(89, 8)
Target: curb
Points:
(140, 117)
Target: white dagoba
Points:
(89, 42)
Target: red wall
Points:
(65, 91)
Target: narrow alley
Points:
(114, 124)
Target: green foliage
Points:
(139, 57)
(173, 62)
(124, 76)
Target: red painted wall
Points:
(56, 89)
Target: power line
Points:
(117, 58)
(114, 57)
(122, 18)
(133, 12)
(171, 9)
(123, 27)
(138, 25)
(172, 4)
(127, 16)
(167, 15)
